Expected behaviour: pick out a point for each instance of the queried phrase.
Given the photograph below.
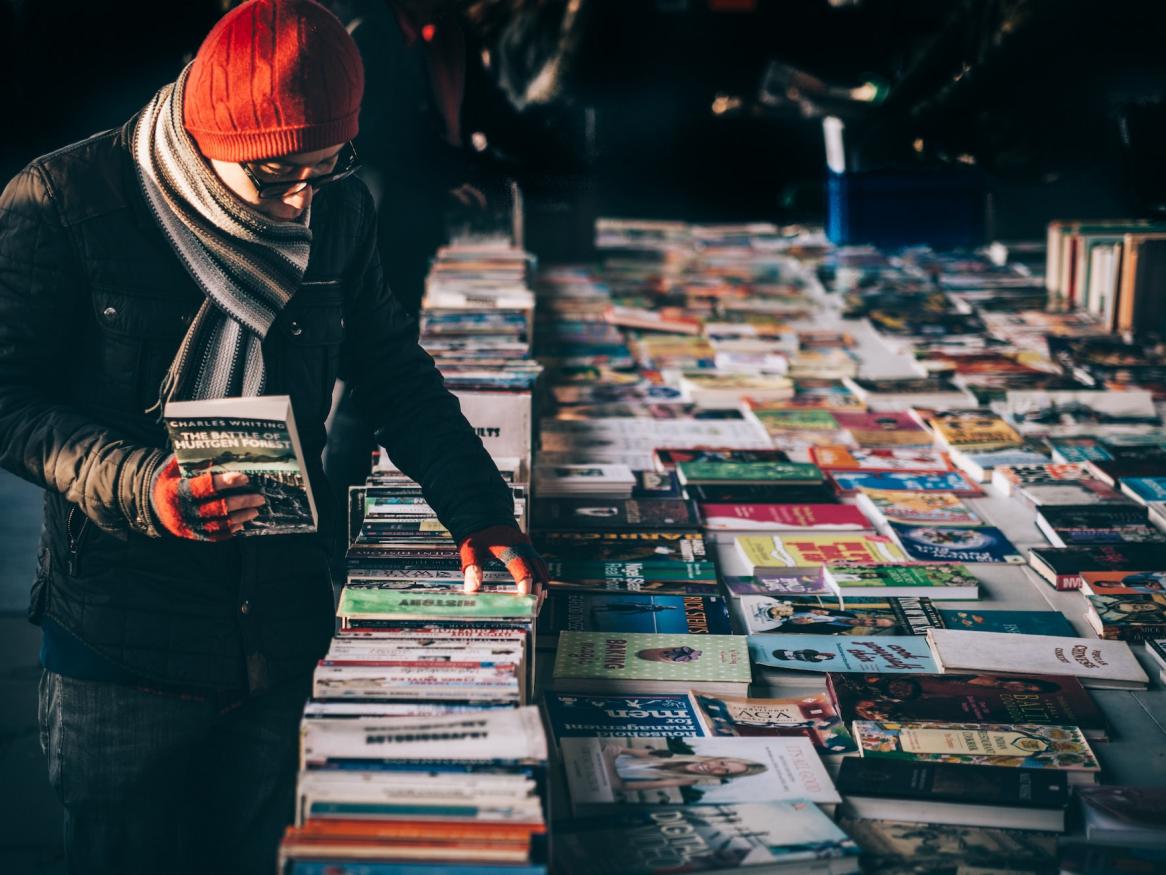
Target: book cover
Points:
(984, 544)
(797, 550)
(813, 715)
(1014, 745)
(757, 493)
(582, 513)
(668, 459)
(1081, 524)
(633, 546)
(1022, 622)
(917, 508)
(254, 436)
(968, 698)
(840, 458)
(1038, 475)
(767, 517)
(782, 582)
(632, 656)
(574, 715)
(973, 430)
(584, 569)
(887, 429)
(947, 849)
(1123, 582)
(1063, 566)
(952, 782)
(1128, 816)
(933, 581)
(1104, 664)
(690, 771)
(602, 612)
(748, 472)
(703, 838)
(950, 481)
(358, 602)
(656, 484)
(800, 617)
(1145, 489)
(882, 655)
(1128, 617)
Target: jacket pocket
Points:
(77, 527)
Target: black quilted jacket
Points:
(93, 304)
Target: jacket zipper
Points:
(74, 534)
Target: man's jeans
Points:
(154, 782)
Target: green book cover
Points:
(922, 576)
(361, 603)
(648, 656)
(775, 472)
(574, 569)
(810, 420)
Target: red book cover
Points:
(772, 517)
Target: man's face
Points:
(286, 168)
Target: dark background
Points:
(1059, 103)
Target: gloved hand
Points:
(512, 548)
(197, 508)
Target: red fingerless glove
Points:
(508, 545)
(189, 508)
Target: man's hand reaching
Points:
(512, 548)
(209, 507)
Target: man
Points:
(215, 245)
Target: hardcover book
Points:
(812, 715)
(1063, 566)
(1100, 664)
(692, 771)
(797, 550)
(879, 655)
(793, 836)
(650, 662)
(984, 544)
(1014, 745)
(255, 436)
(574, 715)
(968, 698)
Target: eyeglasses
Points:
(347, 163)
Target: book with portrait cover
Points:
(644, 662)
(1014, 745)
(602, 772)
(572, 715)
(812, 715)
(257, 437)
(1137, 617)
(891, 654)
(770, 837)
(968, 698)
(895, 616)
(1124, 582)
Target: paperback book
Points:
(1017, 622)
(936, 581)
(916, 509)
(775, 517)
(949, 481)
(572, 715)
(798, 550)
(255, 436)
(602, 612)
(873, 655)
(897, 616)
(983, 544)
(813, 715)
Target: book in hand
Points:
(1136, 617)
(254, 436)
(1013, 745)
(968, 698)
(891, 654)
(573, 715)
(1098, 664)
(940, 792)
(763, 837)
(638, 662)
(602, 772)
(812, 715)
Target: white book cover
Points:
(679, 771)
(1096, 663)
(503, 735)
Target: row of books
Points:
(822, 551)
(419, 752)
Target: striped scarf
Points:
(247, 265)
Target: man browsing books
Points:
(215, 246)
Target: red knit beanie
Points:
(273, 77)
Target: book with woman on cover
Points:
(257, 437)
